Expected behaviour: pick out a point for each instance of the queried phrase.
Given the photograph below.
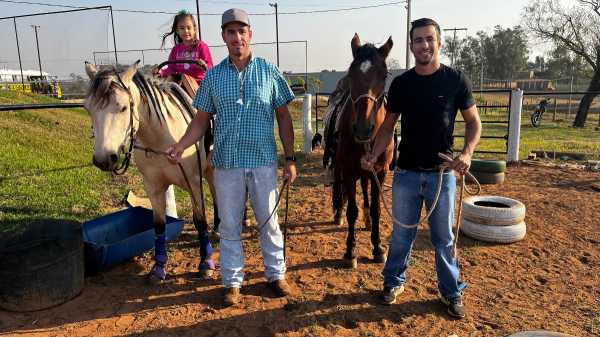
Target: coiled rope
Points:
(437, 195)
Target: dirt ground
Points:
(547, 281)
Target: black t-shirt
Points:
(428, 105)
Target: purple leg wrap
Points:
(160, 256)
(207, 264)
(205, 252)
(205, 247)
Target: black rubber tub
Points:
(41, 265)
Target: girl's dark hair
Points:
(176, 39)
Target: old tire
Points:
(492, 166)
(493, 211)
(495, 234)
(486, 177)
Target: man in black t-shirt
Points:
(428, 97)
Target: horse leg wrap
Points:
(160, 256)
(206, 252)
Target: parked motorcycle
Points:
(536, 118)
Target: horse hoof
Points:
(338, 221)
(350, 263)
(205, 273)
(153, 280)
(246, 223)
(380, 258)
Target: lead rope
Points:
(147, 149)
(437, 195)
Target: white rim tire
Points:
(486, 177)
(495, 234)
(492, 210)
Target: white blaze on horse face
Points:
(365, 66)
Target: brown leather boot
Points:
(231, 296)
(281, 287)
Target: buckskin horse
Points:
(125, 105)
(356, 128)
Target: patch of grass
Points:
(560, 138)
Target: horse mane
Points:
(102, 87)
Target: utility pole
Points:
(407, 35)
(276, 31)
(198, 15)
(35, 27)
(453, 45)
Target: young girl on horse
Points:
(187, 47)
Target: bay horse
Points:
(125, 105)
(358, 123)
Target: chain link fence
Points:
(44, 52)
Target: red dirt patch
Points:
(547, 281)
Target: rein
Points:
(437, 195)
(146, 150)
(284, 185)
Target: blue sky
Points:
(328, 35)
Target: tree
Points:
(577, 28)
(506, 52)
(147, 69)
(393, 63)
(468, 55)
(300, 81)
(287, 79)
(76, 78)
(315, 83)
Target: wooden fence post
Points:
(554, 114)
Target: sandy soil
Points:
(547, 281)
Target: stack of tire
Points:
(487, 171)
(493, 219)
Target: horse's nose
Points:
(108, 163)
(363, 135)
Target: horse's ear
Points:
(127, 75)
(384, 50)
(355, 44)
(90, 70)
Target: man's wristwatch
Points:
(292, 158)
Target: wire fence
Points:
(55, 45)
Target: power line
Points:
(219, 14)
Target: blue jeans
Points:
(261, 185)
(409, 191)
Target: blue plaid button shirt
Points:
(244, 134)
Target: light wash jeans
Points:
(261, 185)
(409, 191)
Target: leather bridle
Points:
(132, 137)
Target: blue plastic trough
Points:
(119, 236)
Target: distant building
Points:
(534, 84)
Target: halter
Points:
(376, 100)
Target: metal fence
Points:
(293, 55)
(54, 44)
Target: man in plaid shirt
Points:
(245, 94)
